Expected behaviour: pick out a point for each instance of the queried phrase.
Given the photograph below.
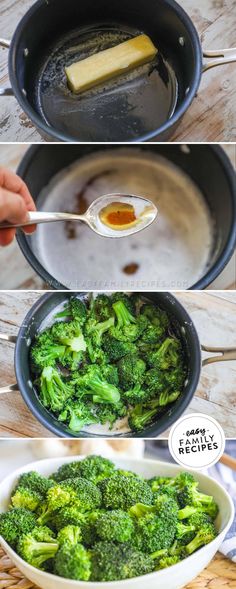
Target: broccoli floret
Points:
(188, 492)
(205, 535)
(167, 397)
(155, 531)
(168, 355)
(184, 531)
(127, 300)
(142, 415)
(72, 562)
(136, 395)
(156, 316)
(115, 526)
(110, 374)
(44, 351)
(128, 328)
(101, 308)
(131, 371)
(93, 383)
(88, 527)
(107, 413)
(210, 509)
(121, 492)
(28, 498)
(198, 519)
(78, 310)
(77, 414)
(70, 534)
(57, 497)
(54, 391)
(70, 335)
(70, 515)
(36, 482)
(96, 468)
(111, 562)
(168, 561)
(37, 547)
(156, 482)
(115, 349)
(88, 495)
(16, 522)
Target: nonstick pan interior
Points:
(43, 311)
(127, 108)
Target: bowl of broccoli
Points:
(90, 522)
(117, 364)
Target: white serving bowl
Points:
(173, 577)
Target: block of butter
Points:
(109, 63)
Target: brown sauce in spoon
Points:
(118, 215)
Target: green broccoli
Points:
(155, 531)
(205, 535)
(70, 335)
(44, 351)
(100, 308)
(168, 355)
(128, 328)
(16, 522)
(70, 534)
(35, 482)
(93, 383)
(143, 414)
(54, 391)
(28, 498)
(70, 515)
(135, 395)
(114, 562)
(96, 468)
(37, 547)
(72, 562)
(75, 309)
(77, 414)
(121, 492)
(131, 371)
(114, 526)
(115, 349)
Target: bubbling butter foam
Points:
(173, 253)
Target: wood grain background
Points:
(214, 316)
(212, 116)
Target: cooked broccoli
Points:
(142, 415)
(96, 468)
(16, 522)
(105, 523)
(37, 547)
(156, 316)
(44, 351)
(206, 534)
(127, 300)
(168, 355)
(121, 492)
(78, 310)
(93, 383)
(188, 492)
(155, 531)
(111, 562)
(77, 414)
(70, 515)
(131, 371)
(136, 395)
(128, 328)
(70, 534)
(28, 498)
(101, 308)
(54, 391)
(114, 526)
(71, 336)
(35, 482)
(115, 349)
(72, 562)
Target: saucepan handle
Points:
(5, 91)
(12, 339)
(218, 57)
(223, 354)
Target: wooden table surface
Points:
(214, 316)
(16, 273)
(211, 117)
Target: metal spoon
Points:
(144, 210)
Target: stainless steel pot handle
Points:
(224, 354)
(11, 387)
(218, 57)
(5, 91)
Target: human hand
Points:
(15, 202)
